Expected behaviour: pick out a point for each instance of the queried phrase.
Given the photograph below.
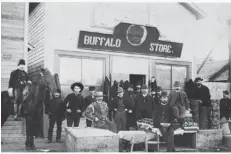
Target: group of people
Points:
(127, 104)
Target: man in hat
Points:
(113, 94)
(97, 112)
(17, 82)
(179, 103)
(202, 93)
(121, 105)
(144, 104)
(75, 105)
(56, 112)
(225, 106)
(88, 100)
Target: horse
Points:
(7, 106)
(35, 95)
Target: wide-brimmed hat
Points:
(92, 88)
(98, 94)
(21, 62)
(177, 83)
(120, 90)
(78, 84)
(226, 92)
(198, 79)
(144, 86)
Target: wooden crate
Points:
(91, 140)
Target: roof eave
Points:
(194, 9)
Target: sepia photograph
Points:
(126, 76)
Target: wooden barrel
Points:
(204, 117)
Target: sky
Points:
(214, 36)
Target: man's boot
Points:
(27, 143)
(32, 143)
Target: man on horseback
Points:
(17, 82)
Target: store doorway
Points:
(137, 79)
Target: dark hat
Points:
(226, 92)
(130, 86)
(58, 91)
(99, 94)
(164, 94)
(92, 88)
(78, 84)
(120, 90)
(198, 79)
(158, 88)
(115, 82)
(177, 83)
(144, 86)
(21, 62)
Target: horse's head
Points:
(46, 79)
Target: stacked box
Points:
(91, 140)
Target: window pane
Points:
(93, 71)
(163, 76)
(70, 70)
(179, 74)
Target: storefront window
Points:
(86, 71)
(179, 74)
(166, 75)
(70, 70)
(92, 72)
(163, 76)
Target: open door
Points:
(137, 79)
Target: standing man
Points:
(144, 104)
(17, 82)
(225, 106)
(202, 93)
(113, 94)
(178, 103)
(97, 112)
(75, 105)
(88, 100)
(56, 112)
(121, 105)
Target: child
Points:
(56, 111)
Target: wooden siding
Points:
(12, 43)
(36, 27)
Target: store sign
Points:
(131, 39)
(6, 56)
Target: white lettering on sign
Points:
(102, 41)
(156, 47)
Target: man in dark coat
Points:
(17, 82)
(56, 112)
(121, 105)
(113, 94)
(225, 106)
(202, 93)
(179, 103)
(88, 100)
(144, 104)
(75, 105)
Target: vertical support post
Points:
(229, 41)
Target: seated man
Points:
(97, 112)
(178, 103)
